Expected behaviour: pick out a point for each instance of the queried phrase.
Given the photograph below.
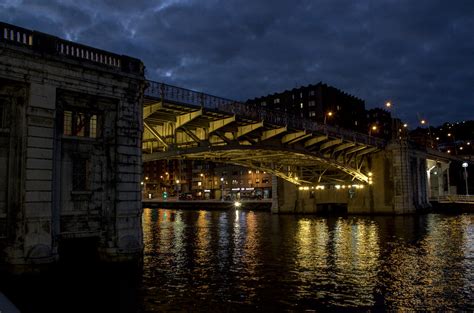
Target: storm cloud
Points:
(418, 54)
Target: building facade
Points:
(320, 103)
(70, 148)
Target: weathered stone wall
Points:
(38, 204)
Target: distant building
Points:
(321, 103)
(380, 123)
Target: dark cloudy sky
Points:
(417, 53)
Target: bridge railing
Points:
(52, 45)
(181, 95)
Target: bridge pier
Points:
(400, 185)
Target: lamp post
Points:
(328, 114)
(222, 188)
(178, 189)
(465, 165)
(372, 128)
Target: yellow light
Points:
(329, 113)
(202, 174)
(250, 172)
(300, 188)
(423, 122)
(449, 134)
(468, 143)
(167, 173)
(296, 178)
(361, 186)
(177, 181)
(374, 127)
(460, 148)
(338, 186)
(146, 178)
(370, 174)
(237, 204)
(141, 183)
(405, 125)
(449, 151)
(370, 183)
(388, 104)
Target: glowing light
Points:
(449, 134)
(423, 122)
(374, 127)
(449, 151)
(177, 181)
(146, 178)
(330, 113)
(370, 174)
(405, 125)
(141, 183)
(388, 104)
(237, 204)
(250, 172)
(338, 186)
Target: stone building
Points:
(70, 148)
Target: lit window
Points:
(312, 113)
(257, 172)
(338, 107)
(311, 92)
(277, 100)
(199, 183)
(312, 103)
(257, 181)
(263, 103)
(356, 123)
(301, 95)
(80, 124)
(301, 105)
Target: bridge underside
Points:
(299, 155)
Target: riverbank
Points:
(174, 203)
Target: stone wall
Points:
(60, 185)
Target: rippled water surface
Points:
(211, 261)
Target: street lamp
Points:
(465, 165)
(372, 128)
(222, 188)
(178, 189)
(328, 114)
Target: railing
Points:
(159, 90)
(45, 43)
(455, 199)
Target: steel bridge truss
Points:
(300, 151)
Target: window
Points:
(257, 172)
(311, 92)
(312, 103)
(301, 95)
(3, 115)
(338, 107)
(301, 105)
(356, 123)
(312, 113)
(79, 174)
(265, 181)
(80, 124)
(257, 181)
(277, 100)
(249, 182)
(263, 103)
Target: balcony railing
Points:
(175, 94)
(48, 44)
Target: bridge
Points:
(77, 122)
(185, 124)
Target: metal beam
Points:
(156, 134)
(150, 109)
(293, 136)
(315, 140)
(329, 144)
(355, 149)
(215, 125)
(343, 147)
(183, 119)
(243, 130)
(191, 134)
(369, 150)
(272, 133)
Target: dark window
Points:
(3, 114)
(79, 174)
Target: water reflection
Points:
(239, 261)
(250, 260)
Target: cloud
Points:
(416, 53)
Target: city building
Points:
(321, 103)
(380, 123)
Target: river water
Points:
(235, 261)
